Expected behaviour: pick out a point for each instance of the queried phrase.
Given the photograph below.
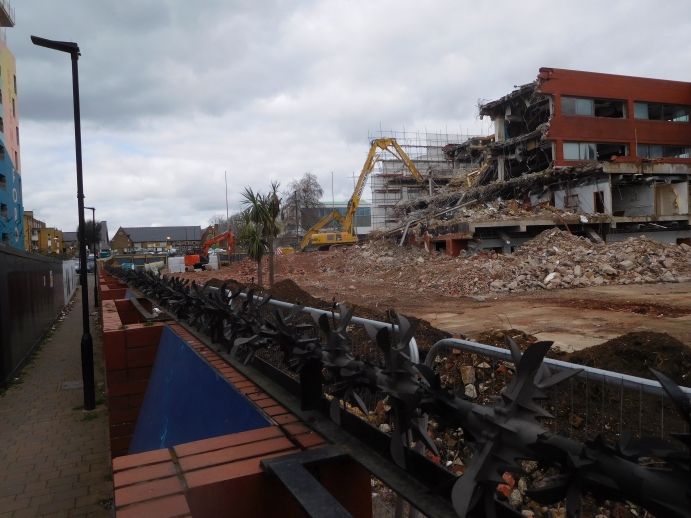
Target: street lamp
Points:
(87, 344)
(93, 220)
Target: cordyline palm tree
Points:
(253, 233)
(272, 225)
(262, 215)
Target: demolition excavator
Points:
(202, 258)
(345, 235)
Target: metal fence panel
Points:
(31, 298)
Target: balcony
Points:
(6, 14)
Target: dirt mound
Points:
(497, 338)
(635, 353)
(288, 291)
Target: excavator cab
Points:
(326, 240)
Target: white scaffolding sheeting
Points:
(392, 181)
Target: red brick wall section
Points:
(130, 351)
(222, 476)
(558, 82)
(110, 288)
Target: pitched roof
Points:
(68, 237)
(144, 234)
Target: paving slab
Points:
(54, 458)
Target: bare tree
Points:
(300, 201)
(235, 222)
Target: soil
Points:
(636, 353)
(497, 338)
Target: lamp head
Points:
(62, 46)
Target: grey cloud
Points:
(174, 92)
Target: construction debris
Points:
(554, 259)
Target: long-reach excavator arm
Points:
(384, 144)
(347, 235)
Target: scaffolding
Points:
(392, 181)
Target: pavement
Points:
(54, 456)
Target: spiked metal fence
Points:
(513, 428)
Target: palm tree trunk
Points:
(271, 261)
(260, 283)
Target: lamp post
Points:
(93, 220)
(87, 344)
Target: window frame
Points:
(661, 109)
(579, 102)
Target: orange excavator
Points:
(202, 258)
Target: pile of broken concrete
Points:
(553, 259)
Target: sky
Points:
(176, 93)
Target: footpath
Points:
(54, 456)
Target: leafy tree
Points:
(89, 231)
(301, 199)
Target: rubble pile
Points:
(516, 189)
(553, 259)
(505, 211)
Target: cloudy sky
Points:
(176, 92)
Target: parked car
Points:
(89, 266)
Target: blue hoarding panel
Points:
(188, 400)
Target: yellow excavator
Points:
(346, 235)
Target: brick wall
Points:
(220, 476)
(130, 349)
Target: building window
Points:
(662, 112)
(17, 128)
(363, 217)
(658, 151)
(3, 182)
(579, 151)
(14, 108)
(16, 160)
(2, 153)
(649, 151)
(593, 107)
(15, 84)
(593, 151)
(5, 239)
(4, 212)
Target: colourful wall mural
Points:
(11, 205)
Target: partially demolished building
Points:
(604, 155)
(393, 182)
